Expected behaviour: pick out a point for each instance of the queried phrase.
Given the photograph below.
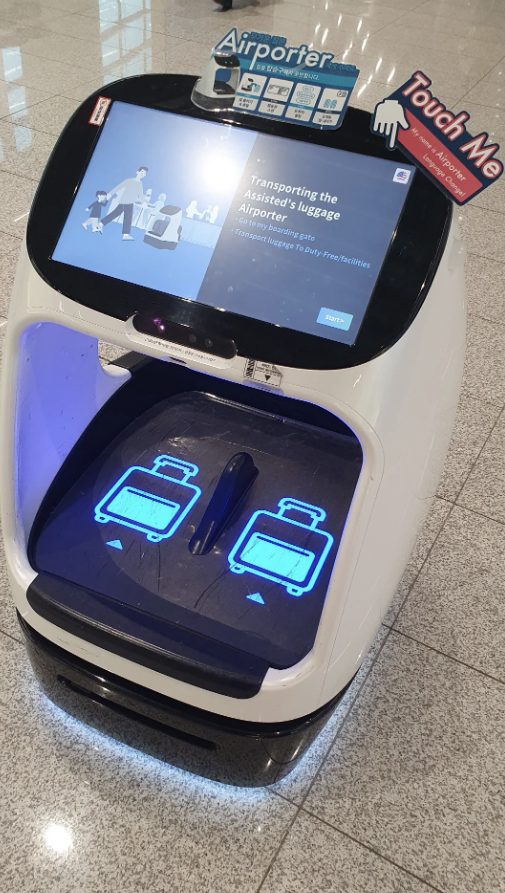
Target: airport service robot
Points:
(203, 536)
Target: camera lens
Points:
(209, 343)
(192, 338)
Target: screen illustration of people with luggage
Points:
(156, 194)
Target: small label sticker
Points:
(265, 373)
(305, 95)
(326, 119)
(246, 103)
(298, 114)
(333, 100)
(278, 89)
(271, 108)
(100, 110)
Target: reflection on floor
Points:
(402, 791)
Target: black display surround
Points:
(405, 278)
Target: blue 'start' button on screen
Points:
(334, 318)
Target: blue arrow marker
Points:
(116, 544)
(256, 597)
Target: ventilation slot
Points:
(202, 743)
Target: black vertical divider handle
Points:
(232, 487)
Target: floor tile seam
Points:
(500, 325)
(427, 47)
(127, 24)
(281, 844)
(11, 637)
(409, 589)
(31, 104)
(484, 256)
(15, 173)
(444, 498)
(57, 8)
(472, 207)
(418, 572)
(122, 59)
(284, 797)
(42, 32)
(475, 101)
(11, 169)
(454, 501)
(394, 22)
(344, 720)
(16, 24)
(473, 395)
(475, 202)
(4, 233)
(483, 78)
(6, 119)
(70, 65)
(454, 3)
(460, 505)
(490, 231)
(75, 67)
(466, 53)
(373, 850)
(81, 86)
(123, 23)
(157, 56)
(455, 660)
(454, 504)
(394, 42)
(477, 457)
(13, 251)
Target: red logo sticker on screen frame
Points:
(100, 110)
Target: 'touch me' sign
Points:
(438, 140)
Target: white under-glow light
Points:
(58, 839)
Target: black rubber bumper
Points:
(226, 750)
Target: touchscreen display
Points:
(280, 230)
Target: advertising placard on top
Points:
(261, 75)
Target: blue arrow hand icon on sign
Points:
(116, 544)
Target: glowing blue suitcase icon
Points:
(148, 500)
(263, 547)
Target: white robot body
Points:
(404, 441)
(391, 396)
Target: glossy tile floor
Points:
(404, 790)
